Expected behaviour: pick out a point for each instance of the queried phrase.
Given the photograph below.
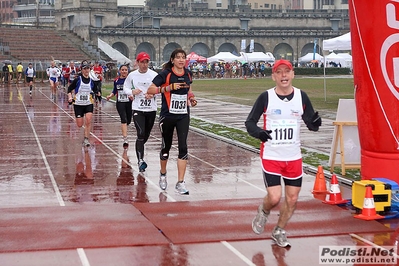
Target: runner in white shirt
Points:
(53, 72)
(30, 75)
(144, 105)
(81, 94)
(283, 108)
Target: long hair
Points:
(169, 64)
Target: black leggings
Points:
(125, 112)
(144, 121)
(97, 84)
(167, 126)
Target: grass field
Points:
(245, 91)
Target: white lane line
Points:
(239, 254)
(81, 252)
(83, 257)
(226, 244)
(371, 243)
(50, 173)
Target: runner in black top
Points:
(174, 84)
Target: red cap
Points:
(142, 56)
(282, 62)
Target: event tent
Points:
(333, 57)
(256, 57)
(193, 57)
(346, 56)
(223, 57)
(342, 42)
(309, 57)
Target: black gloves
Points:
(316, 119)
(264, 135)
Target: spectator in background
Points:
(5, 73)
(10, 72)
(20, 69)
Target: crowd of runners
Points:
(283, 107)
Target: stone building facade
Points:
(287, 34)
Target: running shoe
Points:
(181, 188)
(258, 223)
(142, 166)
(86, 142)
(162, 181)
(279, 237)
(125, 143)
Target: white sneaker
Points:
(279, 237)
(258, 223)
(163, 183)
(181, 188)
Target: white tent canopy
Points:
(257, 57)
(113, 53)
(333, 57)
(345, 55)
(342, 42)
(223, 56)
(309, 57)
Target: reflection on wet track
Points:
(44, 166)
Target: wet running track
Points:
(63, 205)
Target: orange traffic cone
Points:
(368, 211)
(320, 182)
(334, 196)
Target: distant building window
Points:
(344, 2)
(99, 21)
(256, 5)
(218, 4)
(267, 5)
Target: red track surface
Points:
(51, 215)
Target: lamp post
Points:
(37, 13)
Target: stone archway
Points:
(168, 49)
(257, 48)
(284, 51)
(122, 48)
(228, 47)
(200, 49)
(309, 48)
(148, 48)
